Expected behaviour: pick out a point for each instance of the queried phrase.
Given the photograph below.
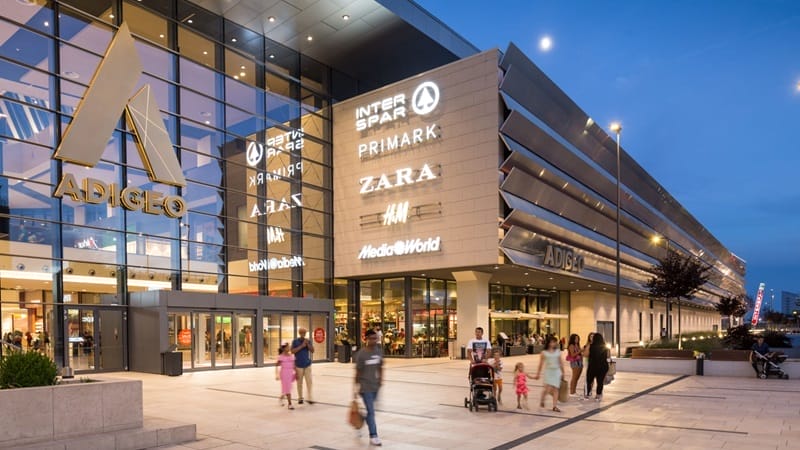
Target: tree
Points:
(677, 277)
(733, 306)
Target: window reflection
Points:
(85, 32)
(146, 24)
(197, 48)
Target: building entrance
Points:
(95, 339)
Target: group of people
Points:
(294, 364)
(594, 355)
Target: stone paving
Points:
(422, 407)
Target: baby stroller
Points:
(481, 387)
(770, 364)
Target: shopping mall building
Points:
(210, 176)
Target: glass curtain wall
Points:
(540, 302)
(258, 226)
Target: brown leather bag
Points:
(354, 416)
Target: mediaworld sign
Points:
(401, 248)
(96, 116)
(276, 263)
(563, 258)
(423, 101)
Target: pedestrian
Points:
(497, 363)
(303, 349)
(284, 371)
(521, 385)
(550, 361)
(597, 367)
(369, 378)
(478, 348)
(575, 359)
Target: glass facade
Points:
(224, 93)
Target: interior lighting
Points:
(110, 16)
(310, 38)
(346, 17)
(271, 19)
(241, 67)
(205, 52)
(190, 21)
(271, 56)
(233, 39)
(46, 23)
(161, 36)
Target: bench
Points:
(661, 353)
(730, 355)
(515, 350)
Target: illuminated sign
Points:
(401, 248)
(563, 258)
(276, 263)
(86, 137)
(277, 174)
(397, 142)
(401, 177)
(423, 101)
(759, 299)
(396, 213)
(275, 235)
(272, 206)
(290, 141)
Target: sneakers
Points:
(291, 406)
(598, 398)
(375, 441)
(300, 401)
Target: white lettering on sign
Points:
(424, 100)
(290, 141)
(272, 206)
(396, 213)
(275, 235)
(400, 141)
(276, 263)
(401, 177)
(400, 248)
(563, 258)
(276, 174)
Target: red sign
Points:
(757, 309)
(319, 335)
(185, 337)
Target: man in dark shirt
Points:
(761, 347)
(369, 378)
(303, 350)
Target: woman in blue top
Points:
(551, 362)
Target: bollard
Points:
(699, 370)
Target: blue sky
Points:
(706, 92)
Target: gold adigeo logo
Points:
(95, 119)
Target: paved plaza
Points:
(422, 407)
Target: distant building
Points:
(790, 301)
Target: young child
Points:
(284, 371)
(521, 383)
(497, 363)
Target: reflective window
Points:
(193, 46)
(146, 24)
(201, 139)
(23, 121)
(25, 46)
(36, 15)
(84, 32)
(201, 109)
(156, 61)
(239, 68)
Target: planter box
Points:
(661, 353)
(56, 412)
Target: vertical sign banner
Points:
(757, 309)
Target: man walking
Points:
(369, 377)
(478, 347)
(303, 349)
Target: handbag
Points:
(563, 391)
(608, 379)
(354, 416)
(612, 368)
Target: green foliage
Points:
(733, 306)
(741, 338)
(777, 339)
(677, 276)
(26, 369)
(704, 345)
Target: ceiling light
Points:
(526, 273)
(422, 274)
(496, 267)
(46, 23)
(161, 36)
(233, 39)
(71, 75)
(205, 52)
(190, 21)
(236, 77)
(271, 19)
(271, 56)
(310, 38)
(208, 122)
(110, 16)
(203, 114)
(242, 67)
(346, 17)
(241, 74)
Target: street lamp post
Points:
(617, 129)
(657, 240)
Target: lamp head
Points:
(616, 127)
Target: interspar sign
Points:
(401, 247)
(759, 299)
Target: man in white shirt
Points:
(478, 347)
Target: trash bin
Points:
(463, 352)
(172, 363)
(699, 370)
(344, 352)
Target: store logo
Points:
(276, 263)
(400, 248)
(563, 258)
(425, 98)
(290, 141)
(96, 117)
(401, 177)
(395, 213)
(275, 235)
